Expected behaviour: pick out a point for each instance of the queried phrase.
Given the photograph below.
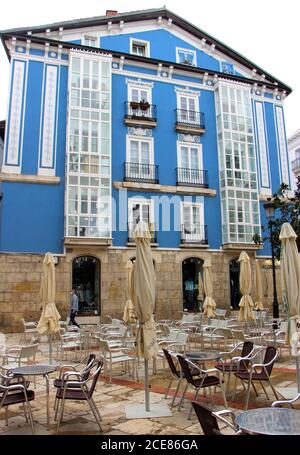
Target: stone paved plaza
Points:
(111, 400)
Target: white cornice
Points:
(187, 91)
(139, 82)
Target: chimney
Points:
(111, 12)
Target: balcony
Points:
(192, 177)
(137, 172)
(296, 166)
(140, 114)
(152, 230)
(189, 121)
(194, 233)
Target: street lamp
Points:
(270, 212)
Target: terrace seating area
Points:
(238, 368)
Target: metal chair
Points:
(30, 330)
(204, 380)
(279, 403)
(176, 375)
(231, 362)
(259, 371)
(78, 390)
(16, 393)
(111, 356)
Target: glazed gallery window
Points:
(237, 162)
(86, 282)
(186, 56)
(89, 155)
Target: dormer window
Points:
(227, 68)
(90, 41)
(186, 56)
(141, 48)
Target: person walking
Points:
(73, 307)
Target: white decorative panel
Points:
(15, 118)
(262, 145)
(47, 159)
(282, 146)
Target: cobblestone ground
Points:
(112, 398)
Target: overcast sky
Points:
(264, 31)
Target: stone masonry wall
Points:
(20, 277)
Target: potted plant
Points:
(134, 104)
(144, 105)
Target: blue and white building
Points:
(127, 117)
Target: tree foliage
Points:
(287, 209)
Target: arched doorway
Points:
(234, 274)
(86, 282)
(190, 274)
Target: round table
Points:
(203, 356)
(270, 421)
(37, 370)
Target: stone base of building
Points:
(20, 277)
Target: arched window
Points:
(191, 267)
(86, 282)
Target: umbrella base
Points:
(138, 411)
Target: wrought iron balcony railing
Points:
(192, 177)
(152, 230)
(140, 111)
(138, 172)
(189, 118)
(194, 233)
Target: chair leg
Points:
(274, 390)
(263, 387)
(61, 413)
(94, 413)
(6, 416)
(177, 388)
(195, 398)
(96, 409)
(30, 417)
(25, 413)
(223, 390)
(254, 388)
(168, 389)
(182, 397)
(248, 394)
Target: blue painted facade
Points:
(33, 214)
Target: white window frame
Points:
(194, 96)
(200, 206)
(137, 200)
(189, 51)
(139, 87)
(90, 37)
(189, 145)
(140, 139)
(140, 42)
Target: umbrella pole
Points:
(147, 398)
(50, 349)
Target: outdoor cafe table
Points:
(270, 421)
(202, 357)
(37, 370)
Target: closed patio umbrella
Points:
(48, 322)
(209, 305)
(290, 287)
(200, 297)
(290, 277)
(258, 285)
(144, 283)
(129, 314)
(246, 303)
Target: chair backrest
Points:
(171, 362)
(238, 335)
(95, 377)
(90, 363)
(186, 317)
(122, 330)
(28, 350)
(270, 354)
(185, 369)
(213, 323)
(283, 326)
(206, 419)
(116, 322)
(173, 335)
(220, 312)
(181, 338)
(247, 348)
